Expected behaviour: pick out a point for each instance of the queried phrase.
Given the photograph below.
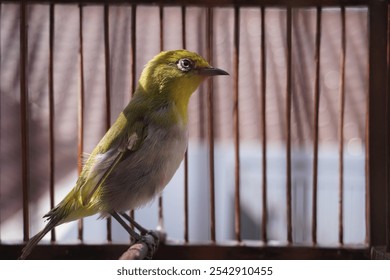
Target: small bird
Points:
(142, 150)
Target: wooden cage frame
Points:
(377, 161)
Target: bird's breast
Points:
(145, 173)
(169, 146)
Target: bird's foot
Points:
(152, 240)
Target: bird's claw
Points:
(151, 239)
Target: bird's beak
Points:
(210, 71)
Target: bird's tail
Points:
(53, 221)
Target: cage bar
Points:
(51, 113)
(80, 120)
(160, 197)
(341, 126)
(24, 119)
(236, 124)
(133, 49)
(0, 115)
(376, 158)
(288, 126)
(186, 237)
(388, 135)
(108, 89)
(316, 128)
(161, 17)
(263, 106)
(210, 125)
(107, 65)
(133, 59)
(218, 3)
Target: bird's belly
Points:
(144, 174)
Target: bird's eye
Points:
(185, 64)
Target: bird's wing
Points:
(106, 162)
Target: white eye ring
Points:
(185, 64)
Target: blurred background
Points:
(156, 29)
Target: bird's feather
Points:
(108, 161)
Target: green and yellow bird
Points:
(140, 153)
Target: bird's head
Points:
(175, 75)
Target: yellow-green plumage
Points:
(139, 154)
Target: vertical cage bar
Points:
(133, 59)
(186, 235)
(388, 139)
(263, 107)
(210, 115)
(24, 119)
(80, 121)
(160, 197)
(0, 116)
(367, 154)
(288, 128)
(316, 127)
(161, 17)
(367, 171)
(376, 158)
(236, 129)
(51, 113)
(341, 126)
(108, 88)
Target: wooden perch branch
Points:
(144, 249)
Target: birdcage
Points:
(287, 157)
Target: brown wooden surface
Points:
(377, 160)
(379, 253)
(388, 129)
(185, 252)
(296, 3)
